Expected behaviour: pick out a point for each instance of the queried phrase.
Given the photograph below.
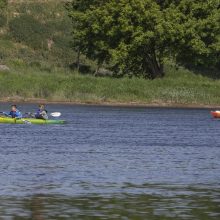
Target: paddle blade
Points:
(55, 114)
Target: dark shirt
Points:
(41, 114)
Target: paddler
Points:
(14, 113)
(41, 112)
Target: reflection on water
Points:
(112, 163)
(173, 203)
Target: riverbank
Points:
(180, 88)
(111, 104)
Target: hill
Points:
(36, 33)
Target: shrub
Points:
(3, 21)
(30, 31)
(63, 42)
(18, 62)
(61, 25)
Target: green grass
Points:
(45, 74)
(178, 87)
(51, 18)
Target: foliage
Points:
(3, 17)
(3, 4)
(32, 25)
(201, 44)
(3, 20)
(29, 30)
(136, 36)
(34, 8)
(62, 25)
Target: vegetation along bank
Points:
(141, 52)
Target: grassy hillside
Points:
(39, 66)
(36, 33)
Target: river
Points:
(112, 163)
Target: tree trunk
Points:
(154, 68)
(78, 61)
(97, 70)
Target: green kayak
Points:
(4, 120)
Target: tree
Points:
(81, 36)
(201, 44)
(135, 37)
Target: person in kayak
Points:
(15, 113)
(41, 112)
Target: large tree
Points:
(136, 36)
(201, 39)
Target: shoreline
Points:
(108, 104)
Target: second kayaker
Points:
(41, 112)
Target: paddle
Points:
(53, 114)
(9, 116)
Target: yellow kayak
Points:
(5, 120)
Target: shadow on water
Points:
(175, 202)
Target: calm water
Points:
(112, 163)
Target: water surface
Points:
(112, 163)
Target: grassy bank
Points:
(42, 66)
(178, 87)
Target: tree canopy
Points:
(201, 39)
(135, 37)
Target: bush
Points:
(63, 42)
(3, 21)
(36, 8)
(61, 25)
(30, 31)
(18, 62)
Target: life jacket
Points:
(15, 114)
(39, 111)
(39, 114)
